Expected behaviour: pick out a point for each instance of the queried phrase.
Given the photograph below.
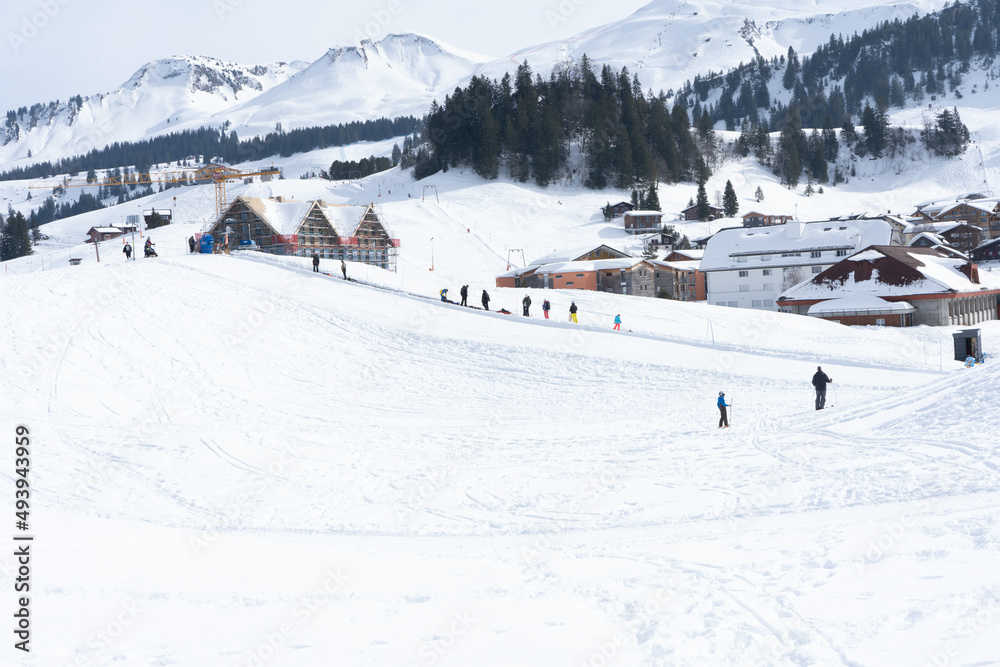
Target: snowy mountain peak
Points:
(210, 75)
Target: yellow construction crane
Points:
(218, 174)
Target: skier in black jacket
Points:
(465, 295)
(486, 300)
(820, 380)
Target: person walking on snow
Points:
(128, 252)
(343, 269)
(526, 302)
(465, 295)
(723, 419)
(486, 300)
(191, 244)
(618, 322)
(546, 307)
(315, 263)
(820, 380)
(572, 312)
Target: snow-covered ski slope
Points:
(237, 461)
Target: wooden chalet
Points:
(622, 207)
(714, 212)
(981, 212)
(755, 219)
(95, 234)
(988, 251)
(285, 227)
(643, 222)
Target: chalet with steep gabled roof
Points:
(286, 227)
(942, 285)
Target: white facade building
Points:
(749, 267)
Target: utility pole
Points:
(97, 251)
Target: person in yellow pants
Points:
(572, 313)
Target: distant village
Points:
(885, 270)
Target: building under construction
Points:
(286, 227)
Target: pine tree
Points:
(397, 154)
(704, 210)
(15, 237)
(758, 194)
(652, 199)
(730, 203)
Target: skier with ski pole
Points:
(723, 419)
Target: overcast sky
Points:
(53, 49)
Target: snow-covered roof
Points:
(686, 265)
(105, 230)
(344, 217)
(635, 213)
(933, 238)
(516, 273)
(890, 271)
(572, 254)
(590, 265)
(693, 253)
(792, 237)
(859, 302)
(284, 216)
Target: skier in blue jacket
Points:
(723, 420)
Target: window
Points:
(765, 258)
(559, 275)
(816, 253)
(767, 272)
(744, 288)
(569, 282)
(755, 303)
(817, 269)
(744, 274)
(880, 322)
(768, 287)
(579, 275)
(791, 254)
(734, 304)
(841, 253)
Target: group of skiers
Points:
(315, 259)
(525, 305)
(148, 249)
(819, 381)
(464, 292)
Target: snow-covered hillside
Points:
(399, 75)
(664, 43)
(166, 95)
(236, 461)
(667, 42)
